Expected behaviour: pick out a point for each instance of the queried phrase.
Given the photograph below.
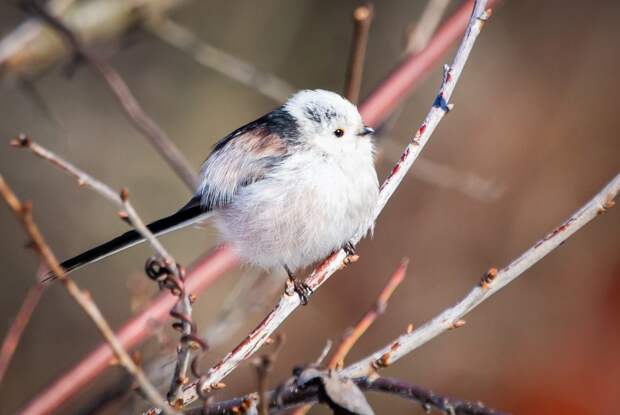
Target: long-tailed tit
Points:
(285, 190)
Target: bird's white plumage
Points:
(284, 190)
(316, 199)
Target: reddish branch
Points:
(404, 78)
(363, 324)
(413, 70)
(199, 277)
(16, 330)
(369, 318)
(161, 268)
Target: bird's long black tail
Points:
(189, 214)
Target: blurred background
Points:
(533, 136)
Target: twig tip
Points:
(458, 324)
(363, 12)
(22, 140)
(124, 194)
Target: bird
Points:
(284, 190)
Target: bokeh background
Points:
(536, 119)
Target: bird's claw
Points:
(349, 248)
(303, 290)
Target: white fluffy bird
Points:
(285, 190)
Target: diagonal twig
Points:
(135, 113)
(290, 300)
(181, 38)
(128, 212)
(492, 282)
(120, 199)
(23, 212)
(200, 276)
(369, 318)
(352, 336)
(13, 336)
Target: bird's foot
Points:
(352, 256)
(302, 289)
(349, 248)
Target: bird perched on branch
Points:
(285, 190)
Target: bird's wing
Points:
(239, 159)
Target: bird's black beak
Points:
(367, 130)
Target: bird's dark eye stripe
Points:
(339, 132)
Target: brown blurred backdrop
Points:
(536, 114)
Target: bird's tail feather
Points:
(191, 213)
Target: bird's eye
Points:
(339, 132)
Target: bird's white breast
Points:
(309, 206)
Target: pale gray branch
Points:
(216, 59)
(489, 285)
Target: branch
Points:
(426, 398)
(290, 300)
(363, 324)
(492, 282)
(362, 18)
(13, 336)
(184, 315)
(386, 97)
(120, 199)
(289, 396)
(181, 38)
(145, 124)
(445, 176)
(369, 318)
(71, 384)
(83, 298)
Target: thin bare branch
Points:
(290, 396)
(13, 336)
(445, 176)
(139, 328)
(23, 212)
(369, 318)
(419, 33)
(135, 113)
(355, 333)
(425, 397)
(492, 282)
(181, 38)
(289, 301)
(121, 200)
(362, 18)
